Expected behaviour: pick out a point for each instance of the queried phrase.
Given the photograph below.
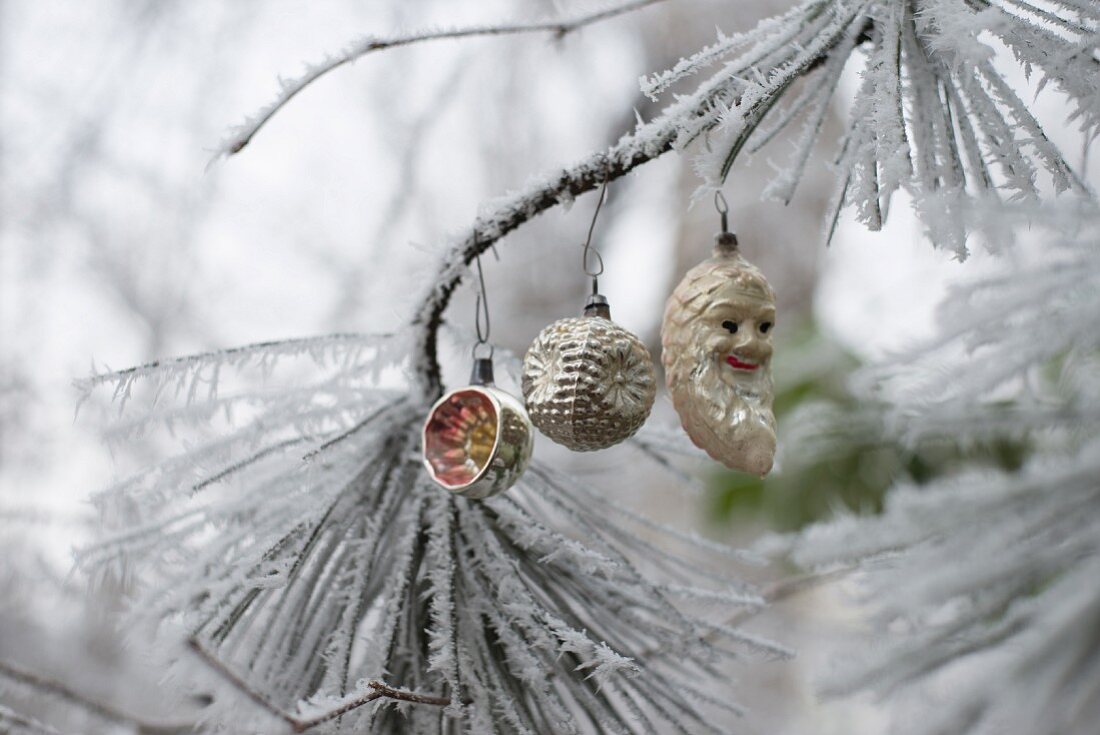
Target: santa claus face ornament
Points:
(717, 349)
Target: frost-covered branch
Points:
(771, 594)
(932, 116)
(308, 555)
(191, 373)
(648, 142)
(375, 690)
(982, 586)
(288, 88)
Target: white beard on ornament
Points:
(728, 415)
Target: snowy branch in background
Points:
(242, 135)
(983, 585)
(933, 115)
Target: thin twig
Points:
(787, 588)
(300, 343)
(364, 423)
(378, 690)
(216, 664)
(99, 709)
(243, 135)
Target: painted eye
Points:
(730, 326)
(765, 327)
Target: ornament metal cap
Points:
(482, 372)
(597, 305)
(478, 439)
(725, 244)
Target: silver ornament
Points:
(588, 382)
(716, 350)
(477, 440)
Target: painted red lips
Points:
(739, 364)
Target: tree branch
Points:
(243, 134)
(99, 709)
(378, 690)
(298, 345)
(645, 144)
(584, 176)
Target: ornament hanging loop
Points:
(594, 273)
(481, 307)
(725, 242)
(723, 208)
(482, 372)
(596, 305)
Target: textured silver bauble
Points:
(588, 383)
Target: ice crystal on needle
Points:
(933, 113)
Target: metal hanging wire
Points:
(482, 325)
(589, 248)
(725, 241)
(723, 208)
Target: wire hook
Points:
(589, 248)
(481, 307)
(723, 208)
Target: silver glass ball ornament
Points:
(588, 383)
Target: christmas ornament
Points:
(477, 440)
(588, 382)
(717, 349)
